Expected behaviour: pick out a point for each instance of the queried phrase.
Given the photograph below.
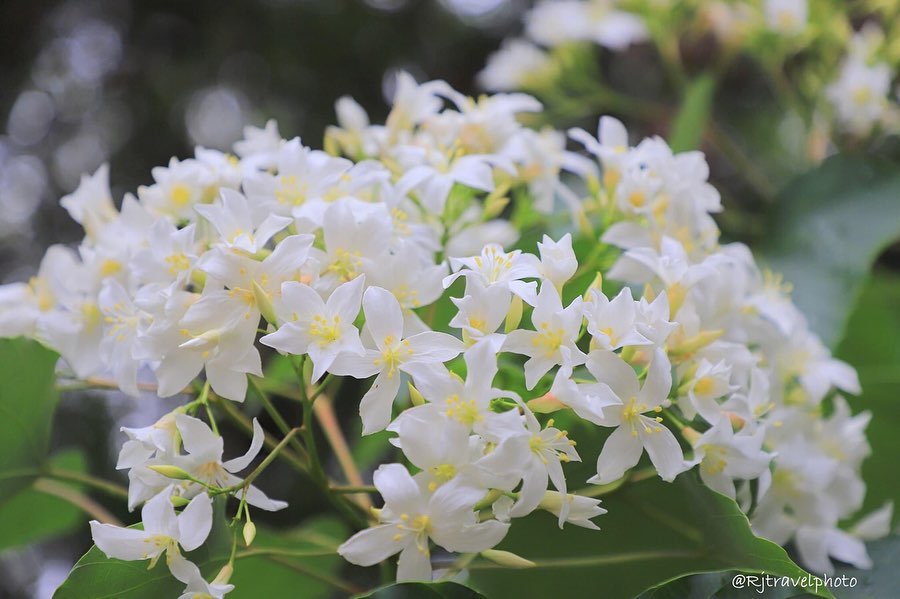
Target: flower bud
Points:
(249, 533)
(507, 558)
(414, 395)
(264, 303)
(179, 501)
(545, 404)
(224, 574)
(171, 472)
(514, 316)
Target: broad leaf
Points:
(872, 346)
(32, 516)
(293, 573)
(417, 590)
(27, 400)
(827, 228)
(654, 532)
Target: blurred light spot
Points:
(215, 117)
(23, 182)
(95, 49)
(53, 573)
(388, 5)
(483, 13)
(80, 154)
(30, 117)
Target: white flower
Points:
(445, 451)
(204, 460)
(724, 456)
(123, 323)
(859, 95)
(469, 401)
(411, 517)
(635, 431)
(241, 226)
(580, 509)
(554, 23)
(612, 323)
(513, 66)
(164, 532)
(91, 204)
(549, 449)
(177, 189)
(497, 267)
(198, 588)
(394, 352)
(786, 16)
(170, 255)
(144, 443)
(303, 175)
(312, 326)
(553, 340)
(216, 333)
(558, 262)
(481, 312)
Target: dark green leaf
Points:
(422, 590)
(872, 346)
(828, 227)
(654, 533)
(32, 516)
(302, 576)
(27, 400)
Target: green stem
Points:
(283, 552)
(279, 420)
(350, 489)
(581, 562)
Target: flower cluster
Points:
(682, 345)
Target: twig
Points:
(79, 500)
(108, 487)
(324, 411)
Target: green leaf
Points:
(286, 575)
(32, 516)
(257, 573)
(655, 532)
(423, 590)
(827, 228)
(27, 400)
(872, 346)
(690, 122)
